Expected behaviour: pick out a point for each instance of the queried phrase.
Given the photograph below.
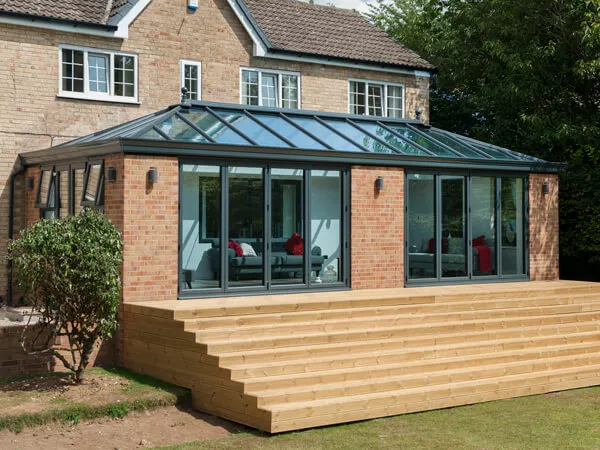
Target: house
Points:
(275, 210)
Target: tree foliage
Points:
(69, 270)
(524, 75)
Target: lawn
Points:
(569, 419)
(108, 392)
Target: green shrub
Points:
(69, 270)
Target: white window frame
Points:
(190, 62)
(279, 74)
(384, 103)
(98, 96)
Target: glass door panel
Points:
(287, 226)
(200, 227)
(513, 228)
(483, 226)
(246, 204)
(421, 227)
(453, 215)
(326, 227)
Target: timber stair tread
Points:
(200, 324)
(401, 329)
(425, 372)
(326, 325)
(447, 389)
(415, 342)
(409, 355)
(354, 299)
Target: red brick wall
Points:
(150, 229)
(377, 238)
(543, 227)
(14, 361)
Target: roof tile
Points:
(299, 27)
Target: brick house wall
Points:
(33, 117)
(543, 227)
(377, 228)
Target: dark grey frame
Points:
(267, 286)
(470, 279)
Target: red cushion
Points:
(294, 245)
(237, 247)
(479, 240)
(431, 245)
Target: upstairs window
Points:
(191, 79)
(376, 99)
(275, 89)
(98, 75)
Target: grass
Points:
(569, 419)
(141, 393)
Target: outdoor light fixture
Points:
(545, 188)
(111, 174)
(379, 184)
(30, 183)
(153, 175)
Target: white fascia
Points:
(259, 47)
(122, 31)
(342, 63)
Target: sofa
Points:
(283, 264)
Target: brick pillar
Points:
(543, 227)
(150, 229)
(377, 220)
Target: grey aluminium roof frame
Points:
(239, 131)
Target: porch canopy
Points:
(240, 131)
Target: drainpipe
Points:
(11, 215)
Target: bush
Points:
(69, 270)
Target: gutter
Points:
(11, 215)
(69, 22)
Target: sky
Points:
(359, 5)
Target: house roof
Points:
(310, 29)
(285, 26)
(239, 131)
(91, 12)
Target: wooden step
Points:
(494, 338)
(229, 322)
(406, 355)
(360, 323)
(351, 388)
(294, 416)
(361, 299)
(420, 368)
(386, 332)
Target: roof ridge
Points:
(108, 10)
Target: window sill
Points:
(124, 100)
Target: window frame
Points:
(190, 62)
(279, 74)
(384, 99)
(98, 202)
(38, 203)
(87, 94)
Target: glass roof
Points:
(235, 125)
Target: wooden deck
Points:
(287, 362)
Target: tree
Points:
(69, 270)
(524, 75)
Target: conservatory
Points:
(218, 199)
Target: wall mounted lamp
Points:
(545, 188)
(30, 183)
(152, 175)
(379, 184)
(111, 174)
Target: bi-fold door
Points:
(463, 227)
(249, 227)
